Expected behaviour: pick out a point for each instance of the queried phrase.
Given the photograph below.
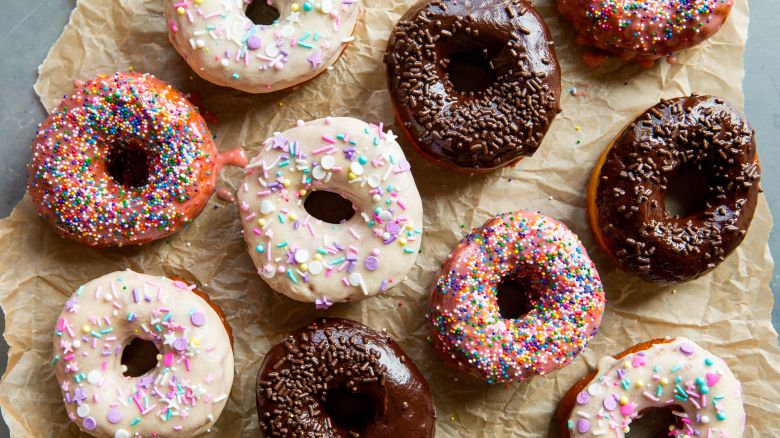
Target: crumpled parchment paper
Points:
(727, 311)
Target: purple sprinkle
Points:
(610, 403)
(389, 241)
(114, 416)
(180, 344)
(404, 165)
(583, 397)
(135, 295)
(89, 423)
(254, 42)
(393, 227)
(621, 372)
(383, 286)
(198, 319)
(296, 224)
(371, 263)
(350, 267)
(79, 396)
(687, 348)
(583, 425)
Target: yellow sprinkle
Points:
(623, 400)
(304, 267)
(627, 365)
(195, 341)
(578, 128)
(86, 329)
(302, 192)
(295, 7)
(180, 10)
(286, 182)
(664, 380)
(318, 256)
(402, 241)
(293, 217)
(198, 2)
(261, 222)
(351, 176)
(639, 384)
(159, 357)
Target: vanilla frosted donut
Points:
(308, 259)
(183, 394)
(223, 46)
(674, 373)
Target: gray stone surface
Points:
(29, 27)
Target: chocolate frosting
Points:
(479, 129)
(696, 132)
(339, 378)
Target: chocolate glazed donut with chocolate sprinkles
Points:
(339, 378)
(474, 84)
(626, 197)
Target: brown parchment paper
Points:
(727, 311)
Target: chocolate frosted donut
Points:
(339, 378)
(626, 198)
(474, 84)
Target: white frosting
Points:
(187, 390)
(315, 261)
(223, 46)
(678, 373)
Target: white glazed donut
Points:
(183, 394)
(676, 373)
(314, 261)
(223, 46)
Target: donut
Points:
(474, 84)
(339, 378)
(564, 299)
(626, 196)
(330, 211)
(224, 46)
(105, 341)
(125, 159)
(671, 374)
(642, 31)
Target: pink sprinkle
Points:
(264, 193)
(328, 139)
(168, 359)
(138, 403)
(103, 365)
(381, 128)
(257, 231)
(354, 234)
(61, 324)
(311, 230)
(180, 5)
(68, 357)
(173, 27)
(346, 282)
(180, 284)
(244, 206)
(189, 17)
(187, 363)
(400, 204)
(328, 272)
(251, 216)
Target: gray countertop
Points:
(29, 27)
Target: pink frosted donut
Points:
(642, 30)
(565, 299)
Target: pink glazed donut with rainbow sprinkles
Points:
(642, 31)
(564, 299)
(142, 356)
(225, 47)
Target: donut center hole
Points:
(351, 410)
(261, 12)
(656, 422)
(129, 165)
(470, 71)
(140, 357)
(329, 207)
(512, 297)
(686, 193)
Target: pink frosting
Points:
(565, 297)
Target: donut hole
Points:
(140, 357)
(350, 410)
(512, 295)
(129, 165)
(686, 193)
(656, 422)
(329, 207)
(260, 12)
(470, 72)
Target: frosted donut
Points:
(565, 299)
(312, 260)
(182, 394)
(674, 374)
(642, 30)
(223, 46)
(125, 159)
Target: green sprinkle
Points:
(708, 361)
(95, 334)
(260, 248)
(55, 359)
(135, 421)
(106, 330)
(281, 244)
(408, 251)
(292, 276)
(676, 368)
